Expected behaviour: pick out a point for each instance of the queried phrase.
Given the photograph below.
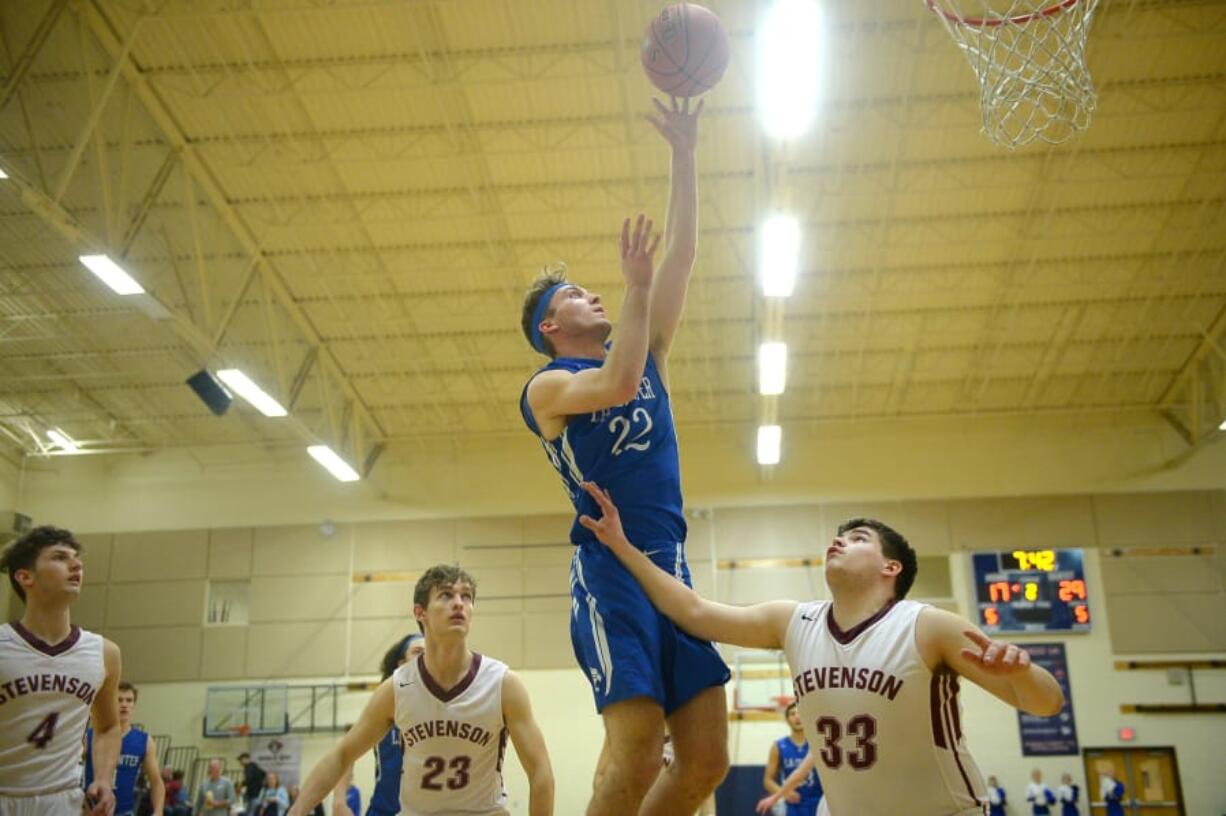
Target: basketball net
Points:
(1030, 60)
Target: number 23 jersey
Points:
(454, 740)
(885, 729)
(45, 696)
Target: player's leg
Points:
(700, 744)
(634, 731)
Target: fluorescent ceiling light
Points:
(241, 384)
(1222, 427)
(337, 466)
(3, 175)
(770, 438)
(66, 443)
(111, 274)
(779, 254)
(789, 42)
(772, 368)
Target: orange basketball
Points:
(685, 50)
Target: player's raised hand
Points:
(995, 656)
(608, 528)
(638, 250)
(676, 123)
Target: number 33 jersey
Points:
(885, 729)
(454, 740)
(45, 695)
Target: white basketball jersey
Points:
(45, 696)
(454, 740)
(885, 729)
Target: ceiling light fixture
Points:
(772, 368)
(112, 274)
(787, 76)
(241, 384)
(779, 255)
(335, 465)
(770, 441)
(63, 440)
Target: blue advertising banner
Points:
(1050, 736)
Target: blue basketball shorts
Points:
(624, 646)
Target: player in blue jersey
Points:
(137, 753)
(786, 755)
(389, 753)
(602, 412)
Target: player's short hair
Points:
(393, 656)
(551, 275)
(790, 707)
(124, 685)
(22, 553)
(437, 576)
(894, 547)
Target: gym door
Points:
(1150, 777)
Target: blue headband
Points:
(538, 315)
(407, 642)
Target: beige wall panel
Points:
(1154, 519)
(487, 607)
(1031, 522)
(90, 609)
(892, 513)
(230, 553)
(932, 578)
(557, 603)
(765, 532)
(550, 529)
(97, 549)
(371, 638)
(547, 643)
(547, 580)
(703, 579)
(487, 531)
(751, 586)
(1217, 504)
(700, 536)
(1174, 574)
(926, 525)
(298, 598)
(174, 555)
(390, 599)
(167, 603)
(1190, 622)
(559, 556)
(223, 653)
(474, 558)
(495, 582)
(404, 545)
(500, 636)
(299, 550)
(159, 655)
(295, 649)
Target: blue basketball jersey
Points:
(630, 450)
(790, 757)
(131, 758)
(389, 761)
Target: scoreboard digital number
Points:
(1031, 591)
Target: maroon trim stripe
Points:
(852, 633)
(951, 708)
(934, 706)
(74, 634)
(447, 695)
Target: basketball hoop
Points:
(782, 701)
(241, 730)
(1030, 61)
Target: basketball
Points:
(685, 50)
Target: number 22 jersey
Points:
(45, 695)
(454, 740)
(886, 730)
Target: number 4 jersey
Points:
(454, 740)
(45, 696)
(885, 728)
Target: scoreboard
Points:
(1031, 591)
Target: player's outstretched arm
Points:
(788, 789)
(556, 394)
(772, 771)
(104, 713)
(529, 744)
(761, 626)
(679, 127)
(1002, 669)
(376, 718)
(153, 777)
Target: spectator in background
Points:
(1113, 794)
(253, 782)
(1039, 795)
(1068, 794)
(176, 793)
(217, 795)
(996, 798)
(274, 798)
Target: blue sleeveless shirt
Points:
(630, 450)
(389, 764)
(131, 758)
(790, 757)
